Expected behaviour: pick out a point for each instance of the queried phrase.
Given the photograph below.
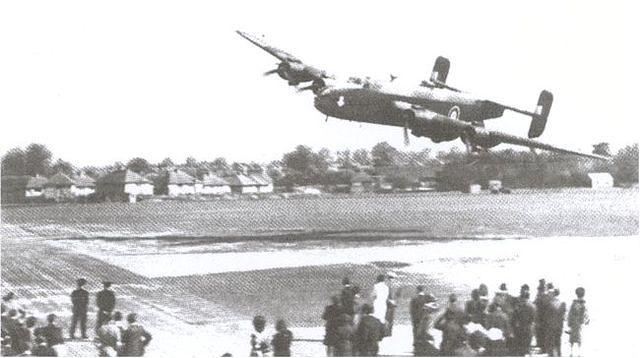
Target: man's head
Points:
(346, 281)
(81, 282)
(420, 288)
(475, 294)
(106, 284)
(453, 298)
(9, 296)
(31, 322)
(367, 309)
(51, 318)
(556, 292)
(335, 300)
(281, 325)
(503, 287)
(380, 278)
(132, 317)
(13, 312)
(580, 292)
(259, 323)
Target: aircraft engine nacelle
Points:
(480, 137)
(296, 73)
(424, 123)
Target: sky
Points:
(99, 82)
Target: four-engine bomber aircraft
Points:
(431, 109)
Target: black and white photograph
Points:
(319, 179)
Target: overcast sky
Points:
(99, 82)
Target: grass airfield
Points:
(196, 272)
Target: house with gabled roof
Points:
(123, 185)
(214, 185)
(59, 187)
(85, 185)
(181, 183)
(241, 184)
(263, 182)
(35, 186)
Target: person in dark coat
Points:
(370, 331)
(331, 314)
(524, 315)
(453, 335)
(348, 296)
(555, 319)
(475, 308)
(80, 302)
(135, 338)
(22, 341)
(578, 317)
(281, 341)
(415, 309)
(41, 349)
(106, 302)
(344, 336)
(541, 303)
(51, 333)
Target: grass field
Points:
(198, 271)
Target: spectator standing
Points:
(80, 302)
(282, 340)
(106, 302)
(52, 334)
(522, 321)
(453, 335)
(415, 309)
(474, 309)
(578, 317)
(424, 342)
(379, 296)
(331, 314)
(135, 338)
(344, 336)
(370, 331)
(347, 296)
(390, 313)
(259, 340)
(556, 313)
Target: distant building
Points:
(214, 185)
(361, 183)
(263, 183)
(35, 186)
(242, 184)
(601, 180)
(85, 185)
(123, 185)
(181, 183)
(59, 187)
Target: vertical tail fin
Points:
(440, 70)
(540, 115)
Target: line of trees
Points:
(304, 166)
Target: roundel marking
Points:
(454, 112)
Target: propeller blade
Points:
(270, 72)
(405, 131)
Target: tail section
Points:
(539, 117)
(440, 70)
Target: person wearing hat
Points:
(524, 315)
(259, 339)
(578, 317)
(106, 302)
(80, 302)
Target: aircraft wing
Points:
(526, 142)
(274, 51)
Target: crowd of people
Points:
(355, 323)
(22, 336)
(505, 325)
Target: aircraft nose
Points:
(324, 100)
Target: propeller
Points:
(405, 132)
(270, 72)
